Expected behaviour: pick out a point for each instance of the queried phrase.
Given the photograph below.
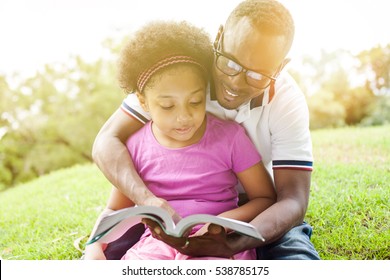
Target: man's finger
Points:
(159, 234)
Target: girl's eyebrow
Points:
(192, 92)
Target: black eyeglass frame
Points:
(218, 54)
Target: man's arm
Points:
(110, 154)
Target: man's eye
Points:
(232, 65)
(255, 76)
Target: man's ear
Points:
(218, 37)
(284, 63)
(142, 101)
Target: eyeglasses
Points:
(230, 67)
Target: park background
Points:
(58, 87)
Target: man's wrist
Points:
(239, 243)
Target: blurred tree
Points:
(325, 110)
(335, 74)
(375, 63)
(358, 102)
(375, 66)
(380, 114)
(49, 121)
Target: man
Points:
(250, 88)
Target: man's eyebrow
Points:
(231, 57)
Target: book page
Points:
(238, 226)
(117, 223)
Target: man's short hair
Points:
(268, 16)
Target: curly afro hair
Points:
(158, 40)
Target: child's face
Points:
(176, 101)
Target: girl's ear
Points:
(142, 101)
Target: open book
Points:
(118, 222)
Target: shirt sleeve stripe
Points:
(133, 113)
(292, 164)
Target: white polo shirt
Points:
(279, 128)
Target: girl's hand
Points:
(206, 229)
(202, 230)
(162, 203)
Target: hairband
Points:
(145, 75)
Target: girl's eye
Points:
(167, 107)
(197, 102)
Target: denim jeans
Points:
(294, 245)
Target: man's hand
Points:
(213, 243)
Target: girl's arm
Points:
(259, 188)
(260, 191)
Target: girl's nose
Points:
(184, 115)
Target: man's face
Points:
(253, 50)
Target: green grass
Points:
(43, 218)
(350, 195)
(349, 205)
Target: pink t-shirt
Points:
(199, 178)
